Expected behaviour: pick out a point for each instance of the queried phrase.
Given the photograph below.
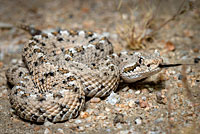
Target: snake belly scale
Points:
(60, 69)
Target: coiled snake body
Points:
(60, 69)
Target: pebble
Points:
(36, 128)
(131, 104)
(84, 115)
(143, 104)
(77, 121)
(47, 123)
(161, 99)
(107, 109)
(119, 126)
(113, 99)
(81, 129)
(180, 77)
(101, 117)
(47, 131)
(87, 125)
(137, 102)
(108, 130)
(60, 131)
(169, 46)
(125, 16)
(159, 120)
(137, 92)
(14, 61)
(119, 118)
(125, 89)
(196, 60)
(189, 69)
(124, 132)
(138, 121)
(1, 64)
(130, 91)
(150, 89)
(106, 34)
(144, 98)
(95, 100)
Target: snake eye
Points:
(140, 61)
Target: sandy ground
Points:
(166, 103)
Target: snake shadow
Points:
(151, 86)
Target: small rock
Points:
(87, 125)
(47, 131)
(138, 121)
(95, 100)
(119, 118)
(47, 123)
(101, 117)
(180, 77)
(143, 104)
(60, 131)
(14, 61)
(1, 64)
(124, 16)
(77, 121)
(161, 99)
(125, 89)
(119, 126)
(131, 104)
(15, 120)
(159, 120)
(107, 109)
(169, 46)
(84, 115)
(36, 128)
(130, 91)
(81, 129)
(106, 34)
(144, 98)
(108, 130)
(124, 132)
(113, 98)
(137, 102)
(137, 92)
(150, 89)
(195, 50)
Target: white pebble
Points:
(47, 123)
(130, 91)
(78, 121)
(124, 132)
(119, 126)
(113, 98)
(138, 121)
(14, 61)
(47, 131)
(81, 128)
(137, 92)
(107, 109)
(125, 89)
(144, 98)
(60, 131)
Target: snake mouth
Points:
(140, 70)
(133, 73)
(139, 73)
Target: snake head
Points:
(139, 65)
